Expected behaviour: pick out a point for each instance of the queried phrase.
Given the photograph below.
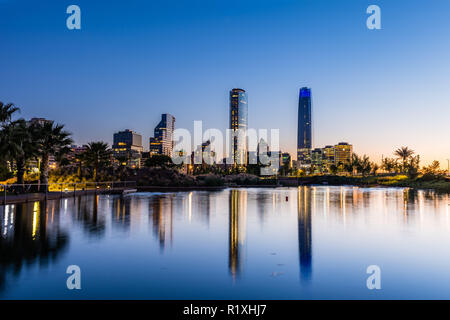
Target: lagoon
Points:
(310, 242)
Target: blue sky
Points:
(133, 60)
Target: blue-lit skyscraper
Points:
(239, 121)
(304, 138)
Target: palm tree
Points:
(97, 155)
(404, 153)
(6, 111)
(16, 144)
(79, 159)
(51, 140)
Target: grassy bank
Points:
(439, 184)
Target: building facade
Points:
(286, 160)
(338, 155)
(127, 146)
(317, 160)
(239, 125)
(343, 153)
(304, 134)
(162, 141)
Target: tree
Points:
(333, 169)
(375, 168)
(158, 160)
(412, 166)
(389, 164)
(16, 144)
(51, 139)
(6, 111)
(365, 166)
(353, 165)
(433, 170)
(348, 167)
(79, 159)
(97, 156)
(404, 153)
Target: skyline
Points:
(129, 64)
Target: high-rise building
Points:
(329, 154)
(286, 159)
(317, 160)
(162, 142)
(304, 138)
(128, 145)
(239, 121)
(343, 153)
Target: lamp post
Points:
(448, 167)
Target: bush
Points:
(211, 180)
(242, 179)
(5, 174)
(162, 177)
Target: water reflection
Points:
(87, 215)
(161, 208)
(31, 233)
(225, 233)
(304, 232)
(237, 225)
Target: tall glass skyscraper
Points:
(162, 142)
(239, 121)
(304, 139)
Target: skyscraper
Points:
(239, 121)
(304, 139)
(162, 142)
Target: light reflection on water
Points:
(284, 243)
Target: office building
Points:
(239, 125)
(128, 147)
(286, 159)
(304, 134)
(162, 142)
(343, 153)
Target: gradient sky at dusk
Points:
(134, 60)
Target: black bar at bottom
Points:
(220, 309)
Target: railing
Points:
(24, 191)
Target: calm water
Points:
(231, 244)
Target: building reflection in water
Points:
(161, 208)
(88, 216)
(304, 232)
(121, 209)
(204, 207)
(237, 229)
(30, 233)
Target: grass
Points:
(439, 184)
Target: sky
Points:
(133, 60)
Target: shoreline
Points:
(31, 197)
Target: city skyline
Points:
(378, 89)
